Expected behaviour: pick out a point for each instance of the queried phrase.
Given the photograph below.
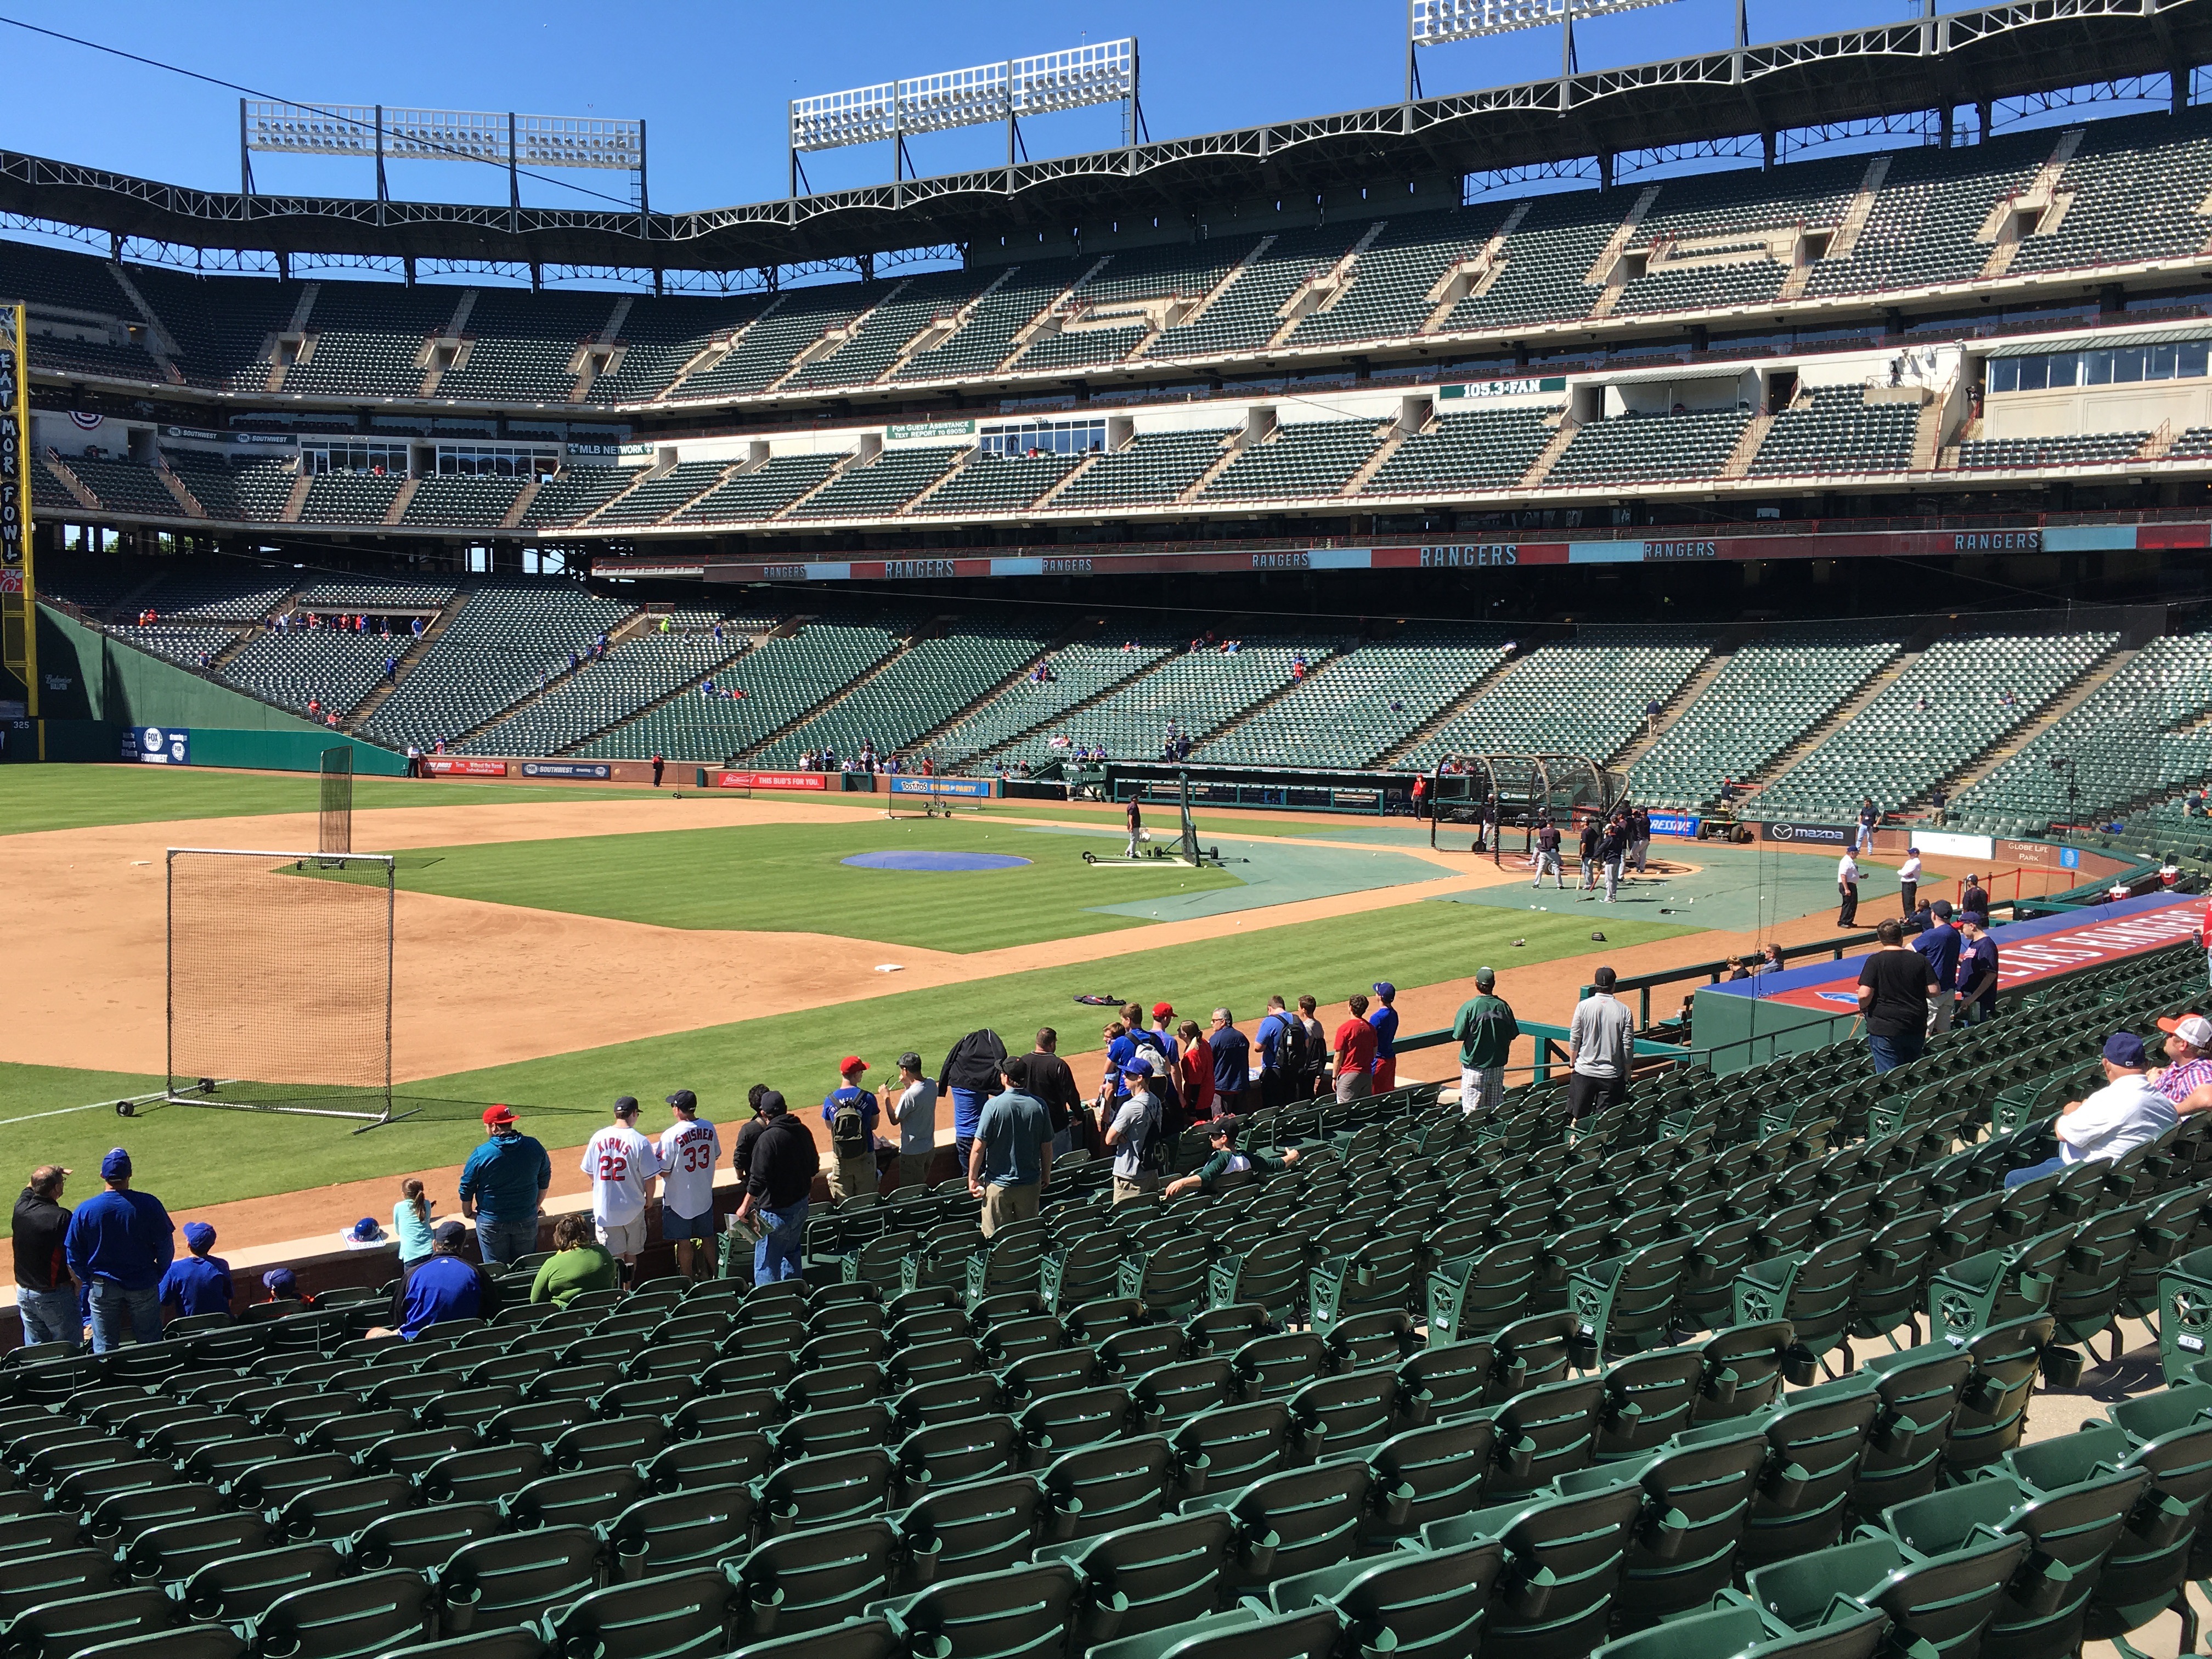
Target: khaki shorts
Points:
(628, 1239)
(1144, 1186)
(853, 1175)
(1003, 1205)
(914, 1169)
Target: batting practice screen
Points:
(334, 824)
(280, 981)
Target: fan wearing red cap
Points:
(503, 1187)
(850, 1112)
(2186, 1078)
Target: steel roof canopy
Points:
(1995, 52)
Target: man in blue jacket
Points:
(198, 1282)
(502, 1186)
(119, 1244)
(1940, 943)
(442, 1287)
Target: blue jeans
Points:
(118, 1312)
(1891, 1052)
(776, 1257)
(504, 1242)
(2035, 1172)
(49, 1316)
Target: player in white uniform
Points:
(690, 1150)
(621, 1164)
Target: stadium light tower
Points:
(1440, 23)
(1105, 73)
(374, 131)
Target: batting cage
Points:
(1502, 795)
(280, 980)
(334, 827)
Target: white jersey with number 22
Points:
(622, 1165)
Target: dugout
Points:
(1373, 794)
(1514, 792)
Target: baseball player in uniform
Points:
(690, 1150)
(621, 1164)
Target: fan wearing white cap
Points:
(2186, 1078)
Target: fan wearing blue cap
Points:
(1384, 1019)
(197, 1282)
(2113, 1120)
(119, 1244)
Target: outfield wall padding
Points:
(115, 685)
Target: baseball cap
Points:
(365, 1230)
(1162, 1010)
(1975, 919)
(1140, 1065)
(684, 1101)
(626, 1106)
(117, 1163)
(851, 1064)
(495, 1115)
(2124, 1048)
(1384, 989)
(2194, 1030)
(1942, 908)
(281, 1280)
(448, 1233)
(198, 1235)
(1017, 1069)
(771, 1104)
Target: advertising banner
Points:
(1808, 835)
(598, 769)
(772, 780)
(1942, 844)
(2028, 951)
(977, 788)
(1676, 823)
(158, 745)
(464, 766)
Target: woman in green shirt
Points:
(578, 1263)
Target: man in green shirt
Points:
(1228, 1167)
(578, 1263)
(1486, 1028)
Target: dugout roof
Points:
(1964, 57)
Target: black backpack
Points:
(1297, 1047)
(848, 1130)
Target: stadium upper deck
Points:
(1953, 324)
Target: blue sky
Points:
(712, 80)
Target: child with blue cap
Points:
(197, 1282)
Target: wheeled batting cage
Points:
(1498, 795)
(280, 981)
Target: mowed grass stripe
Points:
(787, 879)
(194, 1156)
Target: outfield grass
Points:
(787, 879)
(79, 797)
(193, 1157)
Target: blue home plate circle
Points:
(919, 859)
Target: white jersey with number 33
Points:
(622, 1165)
(688, 1153)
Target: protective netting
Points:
(280, 980)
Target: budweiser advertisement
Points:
(771, 779)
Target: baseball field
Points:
(559, 944)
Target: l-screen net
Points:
(280, 981)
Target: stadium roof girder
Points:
(1987, 54)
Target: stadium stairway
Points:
(689, 688)
(1286, 688)
(1812, 739)
(352, 722)
(981, 757)
(1724, 650)
(1081, 630)
(2063, 704)
(926, 630)
(68, 479)
(1420, 734)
